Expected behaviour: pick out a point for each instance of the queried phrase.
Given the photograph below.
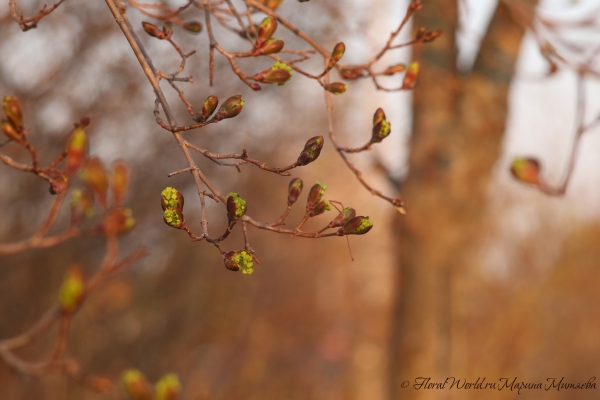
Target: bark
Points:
(459, 122)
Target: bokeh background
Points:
(483, 278)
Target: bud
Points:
(82, 204)
(14, 111)
(336, 87)
(174, 218)
(420, 33)
(346, 215)
(410, 79)
(279, 73)
(236, 260)
(352, 73)
(336, 54)
(526, 170)
(267, 27)
(76, 150)
(135, 385)
(272, 4)
(236, 206)
(320, 208)
(119, 178)
(311, 150)
(72, 290)
(118, 220)
(209, 106)
(153, 30)
(167, 388)
(356, 226)
(394, 69)
(168, 29)
(9, 130)
(232, 107)
(94, 175)
(294, 190)
(431, 36)
(381, 131)
(415, 6)
(194, 27)
(315, 195)
(58, 184)
(271, 46)
(171, 198)
(378, 116)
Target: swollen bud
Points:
(118, 220)
(76, 150)
(294, 190)
(279, 73)
(352, 73)
(356, 226)
(167, 388)
(171, 198)
(311, 150)
(135, 386)
(13, 110)
(58, 184)
(72, 290)
(119, 179)
(236, 260)
(346, 215)
(431, 36)
(410, 79)
(11, 132)
(265, 30)
(236, 206)
(232, 107)
(153, 30)
(194, 27)
(272, 4)
(315, 195)
(174, 218)
(271, 46)
(336, 87)
(336, 54)
(381, 126)
(394, 69)
(209, 106)
(526, 170)
(378, 116)
(320, 208)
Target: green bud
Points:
(167, 388)
(13, 110)
(356, 226)
(209, 106)
(267, 27)
(346, 215)
(174, 218)
(315, 195)
(320, 208)
(311, 150)
(230, 108)
(171, 198)
(526, 170)
(336, 54)
(294, 190)
(236, 206)
(271, 46)
(72, 290)
(381, 131)
(236, 260)
(135, 386)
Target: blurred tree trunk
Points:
(459, 121)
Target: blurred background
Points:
(484, 277)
